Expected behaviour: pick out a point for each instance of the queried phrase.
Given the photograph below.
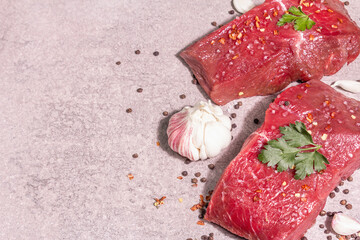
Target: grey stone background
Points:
(66, 141)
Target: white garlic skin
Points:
(344, 225)
(243, 6)
(348, 85)
(199, 132)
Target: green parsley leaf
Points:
(294, 149)
(298, 17)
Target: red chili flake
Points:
(283, 194)
(180, 177)
(305, 187)
(318, 29)
(330, 11)
(265, 14)
(258, 191)
(311, 37)
(334, 26)
(235, 57)
(303, 199)
(261, 39)
(332, 115)
(275, 13)
(257, 19)
(157, 143)
(257, 24)
(247, 22)
(130, 176)
(159, 202)
(238, 41)
(276, 32)
(256, 198)
(287, 12)
(233, 26)
(200, 223)
(309, 117)
(207, 198)
(222, 41)
(212, 42)
(327, 102)
(340, 20)
(306, 4)
(307, 85)
(328, 127)
(299, 96)
(239, 35)
(233, 36)
(317, 11)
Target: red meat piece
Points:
(253, 56)
(254, 201)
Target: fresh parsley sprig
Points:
(300, 19)
(295, 148)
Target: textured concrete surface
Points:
(66, 139)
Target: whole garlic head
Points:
(344, 225)
(199, 132)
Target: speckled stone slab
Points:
(68, 74)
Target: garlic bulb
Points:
(350, 86)
(344, 225)
(199, 132)
(243, 6)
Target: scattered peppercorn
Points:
(322, 213)
(211, 238)
(350, 179)
(256, 121)
(201, 216)
(194, 81)
(233, 115)
(332, 195)
(337, 189)
(165, 113)
(346, 3)
(321, 226)
(211, 166)
(341, 183)
(118, 63)
(327, 231)
(129, 110)
(231, 12)
(156, 53)
(346, 191)
(182, 96)
(330, 214)
(194, 180)
(137, 52)
(214, 24)
(187, 161)
(184, 173)
(343, 202)
(203, 180)
(197, 174)
(139, 90)
(329, 237)
(304, 238)
(348, 206)
(236, 106)
(189, 239)
(135, 155)
(286, 103)
(353, 235)
(233, 125)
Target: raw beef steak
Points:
(254, 201)
(253, 56)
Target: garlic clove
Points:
(344, 225)
(243, 6)
(348, 85)
(216, 138)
